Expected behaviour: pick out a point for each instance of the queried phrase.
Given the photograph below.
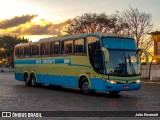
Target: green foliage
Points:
(96, 23)
(139, 24)
(7, 44)
(131, 21)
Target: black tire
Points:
(27, 80)
(33, 81)
(114, 92)
(84, 86)
(56, 86)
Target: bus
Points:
(90, 62)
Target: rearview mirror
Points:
(106, 54)
(145, 53)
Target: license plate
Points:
(126, 87)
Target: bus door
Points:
(95, 54)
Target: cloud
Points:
(24, 25)
(47, 28)
(16, 21)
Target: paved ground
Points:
(151, 81)
(14, 95)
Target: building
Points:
(156, 38)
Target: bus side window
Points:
(45, 49)
(93, 44)
(79, 46)
(67, 47)
(35, 49)
(27, 50)
(17, 51)
(21, 51)
(54, 48)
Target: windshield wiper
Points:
(124, 67)
(131, 65)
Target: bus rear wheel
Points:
(27, 80)
(33, 81)
(114, 92)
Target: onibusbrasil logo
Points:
(21, 114)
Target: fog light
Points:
(112, 81)
(138, 81)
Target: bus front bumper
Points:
(122, 87)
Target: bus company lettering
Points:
(66, 61)
(48, 61)
(45, 61)
(38, 61)
(53, 61)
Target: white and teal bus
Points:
(90, 62)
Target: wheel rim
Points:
(85, 87)
(33, 82)
(27, 79)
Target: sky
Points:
(37, 19)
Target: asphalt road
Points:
(14, 95)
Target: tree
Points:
(7, 44)
(131, 21)
(138, 25)
(95, 23)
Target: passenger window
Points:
(21, 51)
(67, 47)
(93, 44)
(35, 49)
(55, 48)
(27, 50)
(45, 49)
(17, 51)
(79, 46)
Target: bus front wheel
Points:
(84, 86)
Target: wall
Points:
(6, 69)
(154, 74)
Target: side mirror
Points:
(145, 53)
(106, 54)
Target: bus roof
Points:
(71, 37)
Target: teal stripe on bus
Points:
(49, 61)
(44, 61)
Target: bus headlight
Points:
(112, 81)
(138, 81)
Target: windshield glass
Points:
(123, 63)
(123, 57)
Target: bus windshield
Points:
(123, 61)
